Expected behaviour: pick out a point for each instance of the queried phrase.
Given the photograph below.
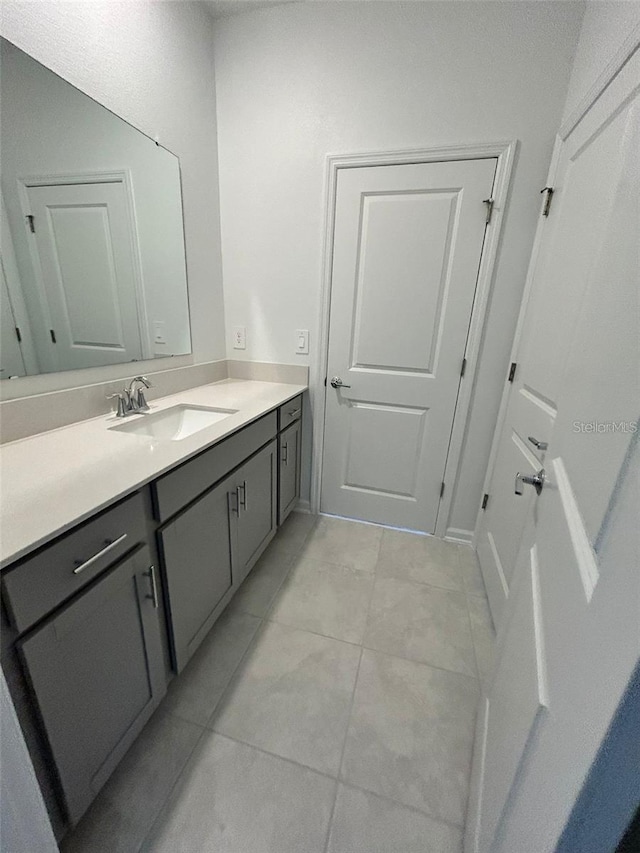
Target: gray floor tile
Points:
(257, 592)
(421, 622)
(295, 530)
(234, 799)
(365, 823)
(471, 574)
(345, 543)
(194, 694)
(411, 735)
(484, 636)
(325, 598)
(424, 559)
(291, 696)
(127, 806)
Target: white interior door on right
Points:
(569, 639)
(83, 246)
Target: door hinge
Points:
(463, 367)
(485, 501)
(325, 381)
(18, 334)
(31, 222)
(512, 371)
(547, 202)
(53, 336)
(442, 488)
(489, 202)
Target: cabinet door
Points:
(97, 672)
(196, 552)
(256, 520)
(289, 470)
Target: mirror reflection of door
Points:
(83, 246)
(12, 362)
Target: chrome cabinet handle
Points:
(294, 412)
(151, 574)
(230, 496)
(535, 480)
(108, 546)
(285, 457)
(243, 503)
(541, 445)
(336, 382)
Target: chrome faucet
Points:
(135, 397)
(131, 400)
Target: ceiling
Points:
(226, 8)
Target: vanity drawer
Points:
(290, 412)
(40, 583)
(178, 488)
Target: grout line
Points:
(342, 751)
(179, 775)
(459, 826)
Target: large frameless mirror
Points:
(93, 265)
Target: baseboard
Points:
(303, 506)
(455, 534)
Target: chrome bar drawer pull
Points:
(109, 546)
(151, 574)
(294, 412)
(243, 502)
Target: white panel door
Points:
(407, 246)
(85, 270)
(570, 637)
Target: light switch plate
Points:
(239, 337)
(159, 332)
(302, 341)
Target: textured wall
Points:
(152, 64)
(297, 82)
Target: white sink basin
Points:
(175, 423)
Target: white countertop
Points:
(51, 481)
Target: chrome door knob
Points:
(535, 480)
(336, 382)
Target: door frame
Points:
(504, 152)
(610, 71)
(112, 176)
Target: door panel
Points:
(257, 510)
(196, 552)
(407, 246)
(97, 672)
(83, 233)
(588, 176)
(583, 525)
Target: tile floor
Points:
(330, 710)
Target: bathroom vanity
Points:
(120, 549)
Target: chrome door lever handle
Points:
(541, 445)
(535, 480)
(336, 382)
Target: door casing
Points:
(504, 152)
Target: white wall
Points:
(151, 63)
(605, 28)
(297, 82)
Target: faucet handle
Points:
(141, 403)
(121, 410)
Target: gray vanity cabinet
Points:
(97, 673)
(196, 552)
(256, 516)
(289, 470)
